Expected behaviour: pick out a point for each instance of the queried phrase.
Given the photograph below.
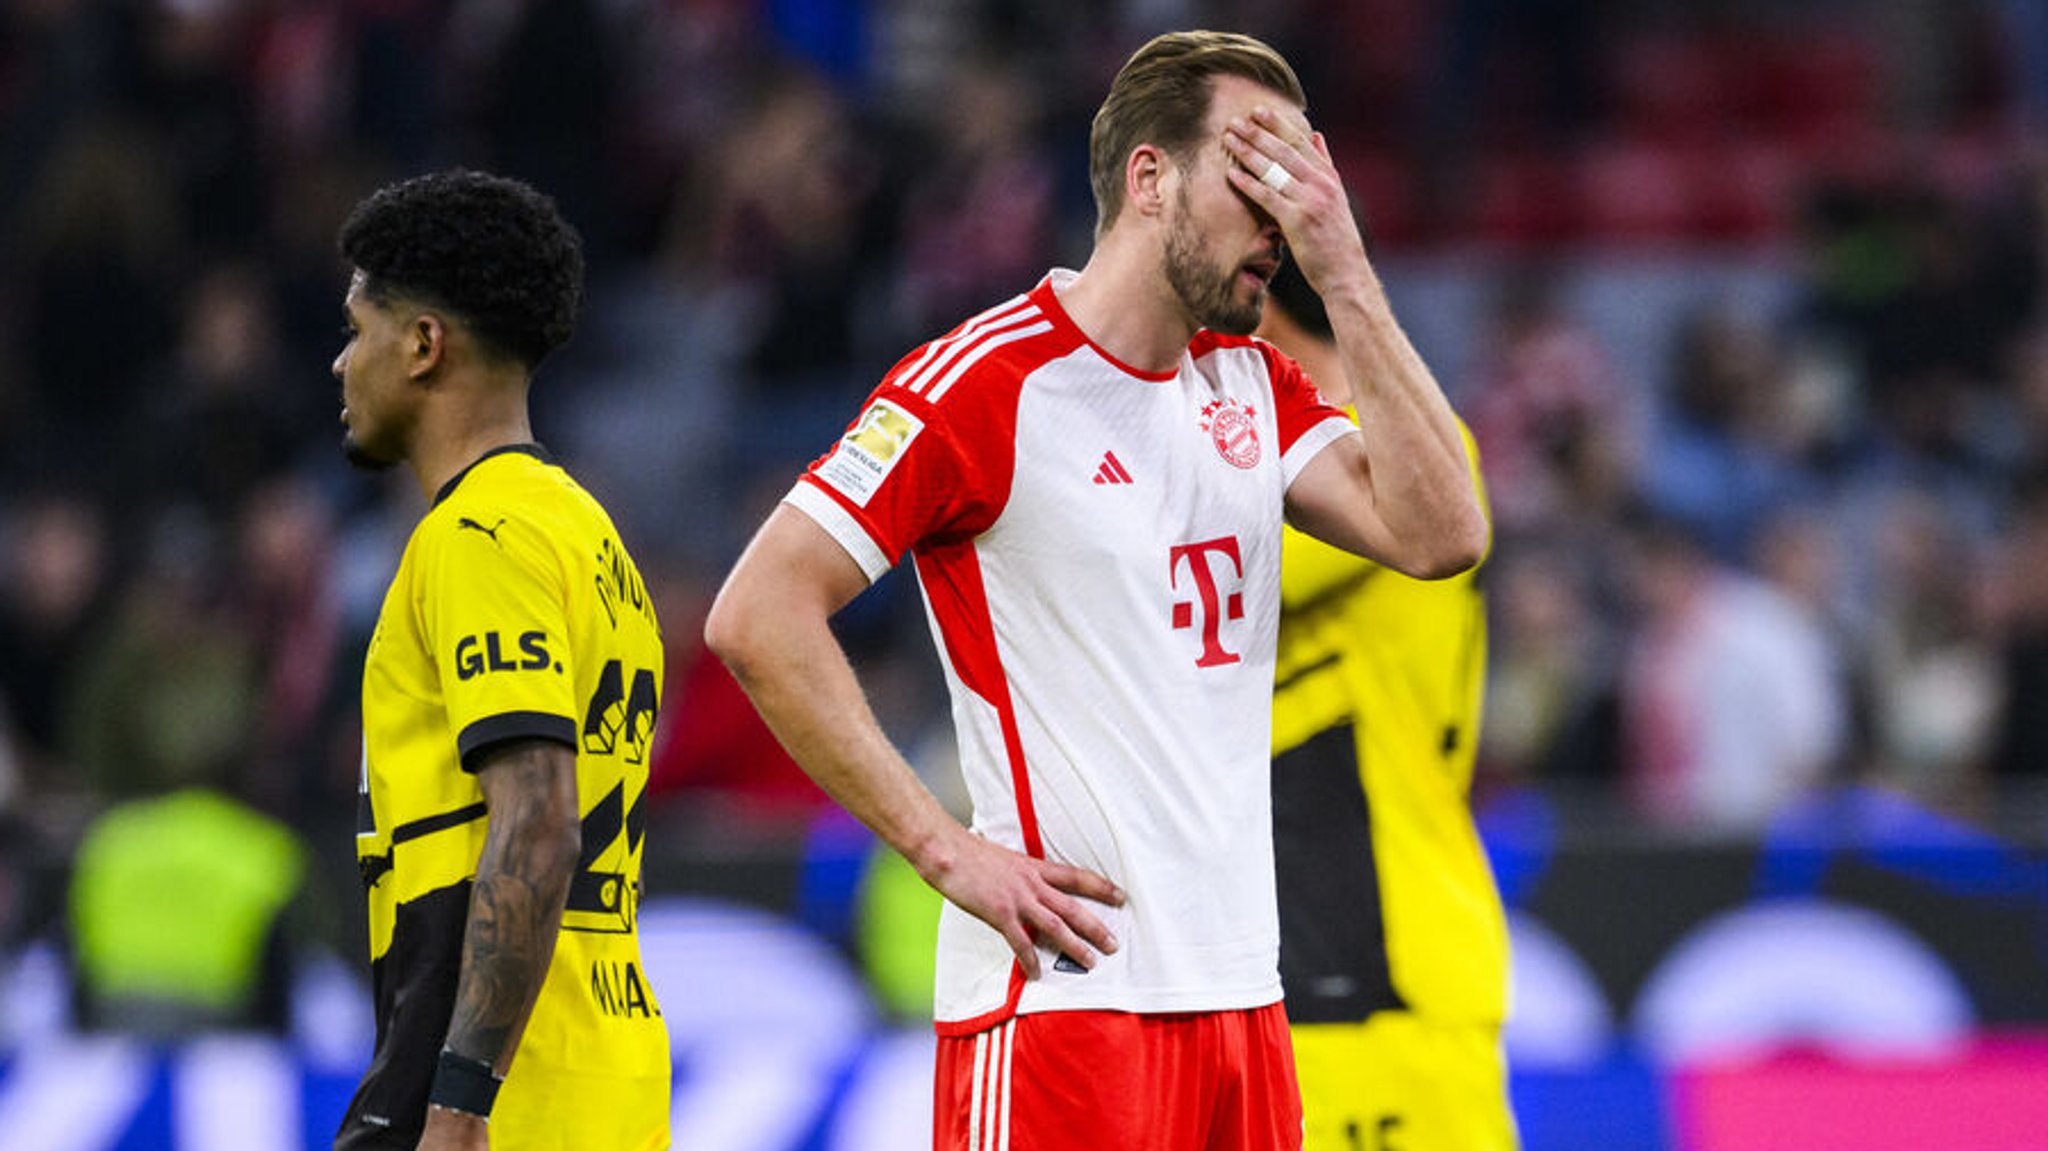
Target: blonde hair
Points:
(1161, 96)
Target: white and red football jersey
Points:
(1099, 551)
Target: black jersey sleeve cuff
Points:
(490, 731)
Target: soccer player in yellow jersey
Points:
(1393, 944)
(508, 695)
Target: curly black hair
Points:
(492, 250)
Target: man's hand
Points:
(1284, 167)
(1028, 900)
(454, 1131)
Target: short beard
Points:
(362, 457)
(1208, 295)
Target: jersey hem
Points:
(1184, 1004)
(1148, 1003)
(988, 1019)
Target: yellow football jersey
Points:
(1386, 897)
(515, 614)
(1403, 1082)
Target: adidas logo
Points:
(1112, 470)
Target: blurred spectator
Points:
(58, 576)
(301, 761)
(1798, 550)
(1551, 673)
(62, 60)
(2026, 436)
(2021, 750)
(1927, 293)
(1546, 411)
(986, 164)
(177, 917)
(782, 214)
(166, 697)
(1933, 675)
(1720, 460)
(102, 233)
(193, 93)
(1732, 703)
(222, 413)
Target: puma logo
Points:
(492, 531)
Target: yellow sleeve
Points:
(496, 621)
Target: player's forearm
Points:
(1421, 479)
(515, 904)
(784, 655)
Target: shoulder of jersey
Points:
(485, 504)
(1207, 342)
(1000, 345)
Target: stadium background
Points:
(1742, 298)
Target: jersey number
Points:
(615, 715)
(619, 721)
(599, 895)
(1383, 1135)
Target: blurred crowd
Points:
(1792, 543)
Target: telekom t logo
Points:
(1215, 607)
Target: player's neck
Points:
(1121, 301)
(465, 423)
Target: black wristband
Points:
(463, 1084)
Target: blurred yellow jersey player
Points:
(1393, 945)
(509, 692)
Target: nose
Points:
(340, 364)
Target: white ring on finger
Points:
(1276, 176)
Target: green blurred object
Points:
(173, 904)
(898, 935)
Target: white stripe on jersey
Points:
(964, 331)
(938, 354)
(982, 349)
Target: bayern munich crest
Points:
(1232, 429)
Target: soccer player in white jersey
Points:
(1090, 481)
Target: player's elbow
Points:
(728, 631)
(1468, 543)
(739, 629)
(1457, 546)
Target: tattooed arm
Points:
(515, 909)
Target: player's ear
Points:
(427, 345)
(1146, 174)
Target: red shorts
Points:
(1098, 1080)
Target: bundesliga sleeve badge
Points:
(869, 452)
